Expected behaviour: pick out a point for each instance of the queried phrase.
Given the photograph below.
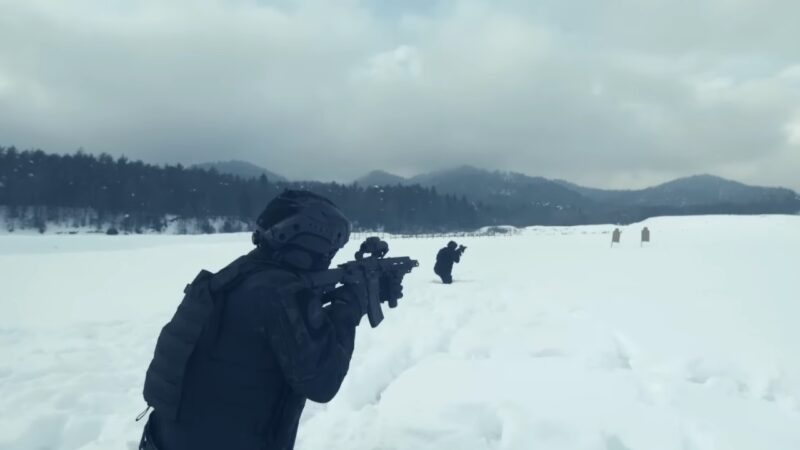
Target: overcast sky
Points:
(612, 93)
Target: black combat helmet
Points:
(452, 245)
(302, 230)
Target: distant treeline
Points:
(101, 192)
(37, 183)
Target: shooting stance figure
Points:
(251, 343)
(445, 260)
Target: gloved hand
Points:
(349, 302)
(391, 289)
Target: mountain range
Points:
(35, 185)
(522, 199)
(526, 199)
(483, 185)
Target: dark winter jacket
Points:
(270, 346)
(445, 260)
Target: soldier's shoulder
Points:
(273, 283)
(274, 276)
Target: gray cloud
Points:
(621, 94)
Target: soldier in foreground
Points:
(445, 260)
(248, 345)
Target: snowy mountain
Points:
(518, 199)
(708, 189)
(102, 194)
(242, 169)
(511, 188)
(502, 188)
(690, 191)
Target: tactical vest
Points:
(197, 317)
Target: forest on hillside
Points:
(102, 192)
(40, 190)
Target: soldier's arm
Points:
(313, 344)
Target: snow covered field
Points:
(547, 340)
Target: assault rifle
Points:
(366, 271)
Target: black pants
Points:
(446, 277)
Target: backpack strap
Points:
(221, 284)
(235, 273)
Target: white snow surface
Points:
(548, 339)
